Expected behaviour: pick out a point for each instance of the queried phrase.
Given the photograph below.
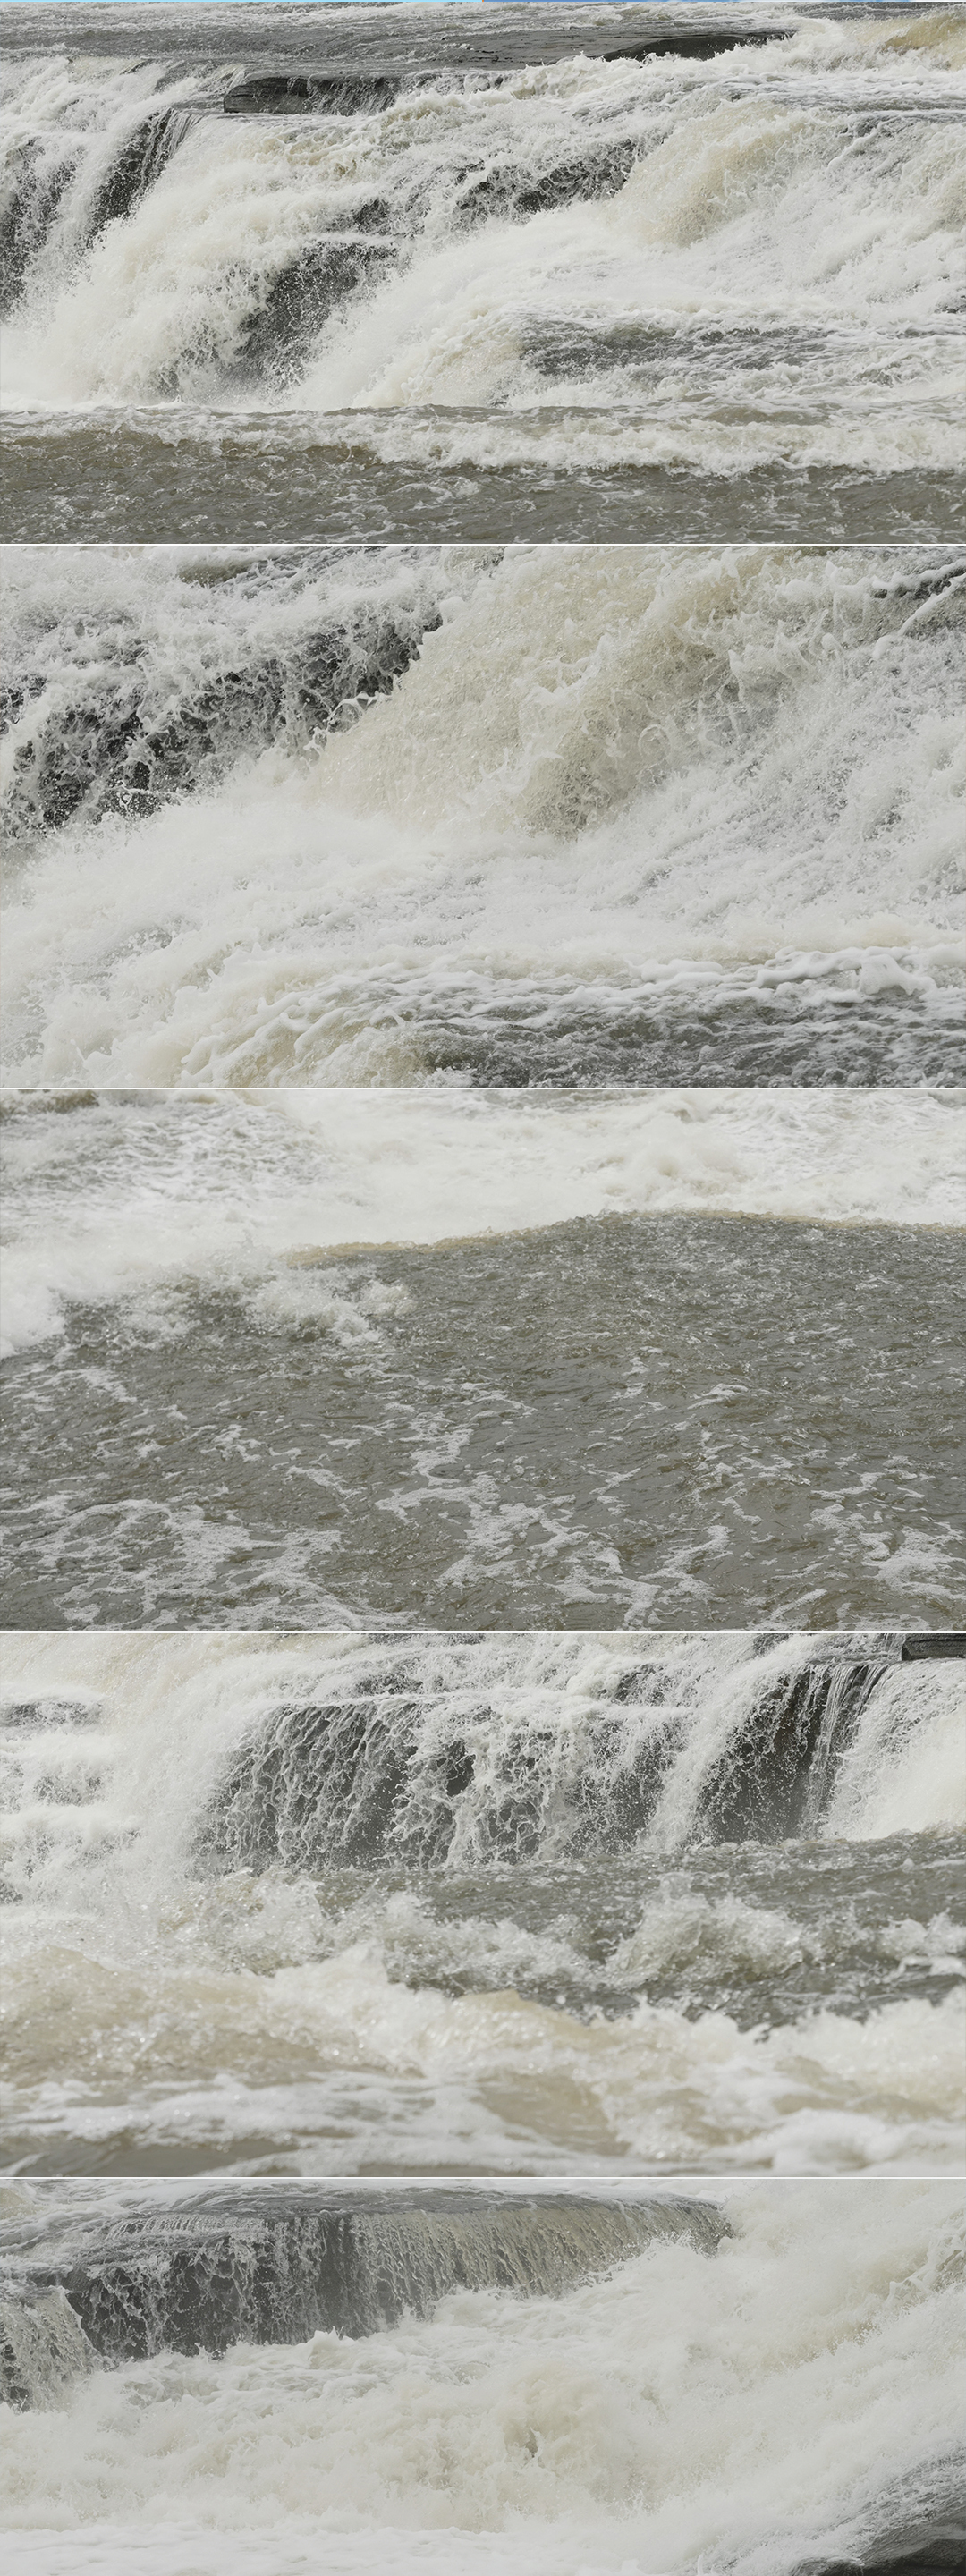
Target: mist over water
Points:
(524, 277)
(392, 816)
(452, 1904)
(622, 2422)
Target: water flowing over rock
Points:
(300, 2259)
(616, 301)
(384, 1777)
(510, 817)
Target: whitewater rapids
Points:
(442, 1905)
(789, 2399)
(515, 271)
(523, 816)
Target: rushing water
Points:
(199, 2273)
(401, 816)
(515, 271)
(506, 1358)
(756, 2387)
(450, 1904)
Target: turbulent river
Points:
(483, 2382)
(453, 1904)
(481, 1732)
(503, 1358)
(482, 272)
(469, 816)
(480, 2381)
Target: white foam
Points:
(906, 1764)
(741, 215)
(753, 205)
(793, 2396)
(243, 1193)
(612, 777)
(175, 1710)
(278, 2016)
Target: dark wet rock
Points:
(616, 1799)
(36, 1716)
(106, 753)
(695, 47)
(279, 331)
(777, 1779)
(36, 187)
(42, 2348)
(943, 2555)
(510, 191)
(367, 1781)
(352, 1784)
(942, 1643)
(40, 182)
(928, 583)
(645, 1683)
(374, 215)
(312, 94)
(316, 1784)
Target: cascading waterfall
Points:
(688, 272)
(43, 2346)
(436, 175)
(288, 2261)
(485, 823)
(123, 709)
(599, 2378)
(544, 1903)
(480, 1752)
(385, 1777)
(513, 816)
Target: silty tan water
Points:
(507, 1358)
(608, 1904)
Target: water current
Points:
(477, 2096)
(452, 1904)
(507, 1358)
(527, 272)
(450, 815)
(577, 2384)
